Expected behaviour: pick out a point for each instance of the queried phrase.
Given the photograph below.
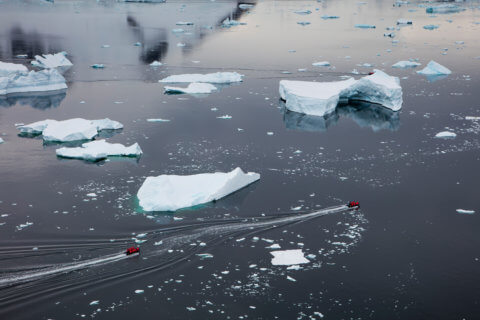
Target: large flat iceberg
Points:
(48, 61)
(98, 150)
(69, 130)
(45, 80)
(320, 98)
(193, 88)
(217, 77)
(7, 69)
(288, 257)
(173, 192)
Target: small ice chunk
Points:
(205, 255)
(463, 211)
(444, 8)
(365, 26)
(430, 27)
(48, 61)
(184, 23)
(173, 192)
(178, 30)
(139, 291)
(225, 117)
(274, 246)
(245, 6)
(193, 88)
(406, 64)
(404, 21)
(230, 23)
(321, 64)
(156, 64)
(446, 134)
(1, 141)
(434, 68)
(288, 257)
(325, 17)
(100, 149)
(7, 69)
(303, 23)
(191, 308)
(94, 302)
(303, 12)
(98, 66)
(291, 279)
(157, 120)
(218, 77)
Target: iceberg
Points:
(45, 80)
(444, 8)
(218, 77)
(48, 61)
(321, 64)
(98, 150)
(433, 69)
(69, 130)
(320, 98)
(406, 64)
(7, 69)
(193, 88)
(173, 192)
(288, 257)
(463, 211)
(446, 135)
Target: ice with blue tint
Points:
(7, 69)
(434, 69)
(48, 61)
(193, 88)
(444, 8)
(365, 26)
(406, 64)
(45, 80)
(218, 77)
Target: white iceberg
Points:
(45, 80)
(193, 88)
(7, 69)
(69, 130)
(406, 64)
(100, 149)
(433, 69)
(48, 61)
(463, 211)
(446, 134)
(217, 77)
(173, 192)
(156, 64)
(320, 98)
(288, 257)
(321, 64)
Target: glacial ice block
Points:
(45, 80)
(434, 69)
(69, 130)
(173, 192)
(217, 77)
(193, 88)
(288, 257)
(100, 149)
(320, 98)
(406, 64)
(7, 69)
(48, 61)
(314, 98)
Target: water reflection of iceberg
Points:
(364, 114)
(37, 100)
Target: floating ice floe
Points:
(406, 64)
(325, 17)
(434, 69)
(98, 66)
(156, 64)
(7, 69)
(404, 21)
(173, 192)
(217, 77)
(48, 61)
(446, 134)
(193, 88)
(444, 8)
(303, 23)
(463, 211)
(98, 150)
(321, 64)
(320, 98)
(288, 257)
(69, 130)
(157, 120)
(45, 80)
(365, 26)
(1, 141)
(230, 23)
(430, 27)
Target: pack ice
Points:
(69, 130)
(288, 257)
(193, 88)
(173, 192)
(217, 77)
(48, 61)
(433, 69)
(98, 150)
(7, 69)
(320, 98)
(45, 80)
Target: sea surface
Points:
(406, 254)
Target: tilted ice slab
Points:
(49, 61)
(288, 257)
(218, 77)
(320, 98)
(173, 192)
(69, 130)
(193, 88)
(7, 69)
(433, 69)
(100, 149)
(45, 80)
(406, 64)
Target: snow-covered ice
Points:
(69, 130)
(7, 69)
(320, 98)
(173, 192)
(434, 68)
(446, 134)
(193, 88)
(217, 77)
(406, 64)
(100, 149)
(45, 80)
(288, 257)
(48, 61)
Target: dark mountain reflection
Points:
(19, 42)
(41, 101)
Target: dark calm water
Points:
(406, 254)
